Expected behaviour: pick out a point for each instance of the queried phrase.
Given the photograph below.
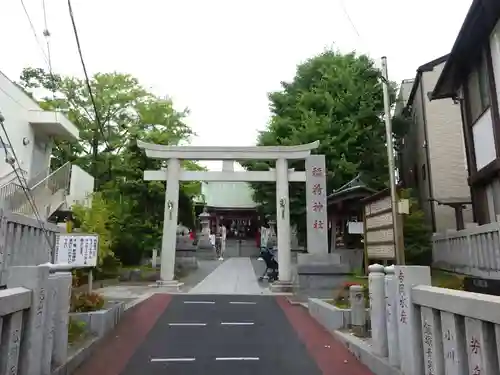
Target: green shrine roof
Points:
(228, 194)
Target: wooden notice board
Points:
(379, 227)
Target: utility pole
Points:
(396, 222)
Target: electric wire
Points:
(87, 80)
(33, 30)
(23, 182)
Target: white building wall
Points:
(81, 187)
(14, 104)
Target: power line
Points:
(87, 80)
(34, 32)
(12, 161)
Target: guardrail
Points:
(472, 251)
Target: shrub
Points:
(76, 330)
(86, 302)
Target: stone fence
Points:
(24, 242)
(34, 321)
(420, 329)
(473, 251)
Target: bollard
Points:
(154, 257)
(391, 298)
(377, 309)
(61, 318)
(358, 310)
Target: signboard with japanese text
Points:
(77, 249)
(317, 224)
(379, 236)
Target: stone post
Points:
(316, 213)
(61, 318)
(283, 221)
(358, 310)
(32, 345)
(377, 309)
(49, 325)
(391, 298)
(409, 321)
(154, 258)
(169, 238)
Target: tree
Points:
(125, 110)
(108, 150)
(337, 99)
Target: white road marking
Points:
(236, 323)
(200, 302)
(237, 358)
(188, 324)
(173, 359)
(242, 303)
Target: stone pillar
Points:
(283, 221)
(154, 258)
(34, 278)
(316, 215)
(61, 318)
(409, 322)
(49, 325)
(391, 296)
(377, 309)
(169, 237)
(358, 310)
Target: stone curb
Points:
(77, 358)
(86, 351)
(363, 353)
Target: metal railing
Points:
(41, 188)
(42, 191)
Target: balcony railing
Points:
(473, 251)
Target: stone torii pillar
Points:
(283, 221)
(170, 224)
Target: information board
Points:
(77, 249)
(379, 236)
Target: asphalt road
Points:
(226, 335)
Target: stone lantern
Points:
(205, 221)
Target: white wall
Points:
(14, 104)
(484, 141)
(495, 55)
(81, 187)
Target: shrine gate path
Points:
(231, 331)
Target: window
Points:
(478, 87)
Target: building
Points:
(230, 204)
(27, 152)
(471, 77)
(432, 156)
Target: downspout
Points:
(427, 156)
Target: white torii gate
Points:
(173, 174)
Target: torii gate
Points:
(314, 176)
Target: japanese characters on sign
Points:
(77, 249)
(317, 225)
(428, 346)
(403, 299)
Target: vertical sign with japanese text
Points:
(317, 224)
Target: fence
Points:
(24, 242)
(422, 329)
(34, 321)
(473, 251)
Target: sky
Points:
(220, 58)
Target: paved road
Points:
(220, 335)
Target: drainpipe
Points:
(427, 156)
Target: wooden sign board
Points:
(379, 228)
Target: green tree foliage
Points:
(337, 99)
(96, 219)
(417, 234)
(127, 112)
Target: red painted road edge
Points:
(329, 354)
(113, 353)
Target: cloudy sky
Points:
(221, 57)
